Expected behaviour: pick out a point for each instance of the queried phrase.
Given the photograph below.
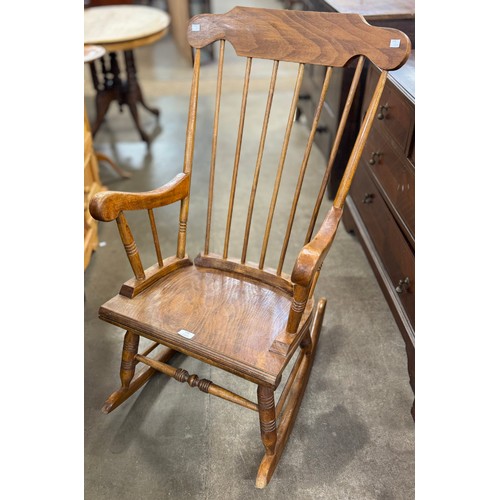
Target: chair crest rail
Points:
(332, 39)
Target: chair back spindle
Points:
(214, 145)
(272, 86)
(237, 156)
(335, 147)
(275, 36)
(281, 164)
(152, 222)
(303, 167)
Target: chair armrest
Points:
(106, 206)
(312, 255)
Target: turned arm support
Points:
(106, 206)
(308, 263)
(312, 255)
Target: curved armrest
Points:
(106, 206)
(312, 255)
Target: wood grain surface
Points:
(107, 206)
(234, 319)
(326, 38)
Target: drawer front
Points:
(395, 114)
(327, 125)
(394, 176)
(393, 249)
(313, 84)
(411, 154)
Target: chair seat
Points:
(233, 318)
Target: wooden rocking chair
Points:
(242, 317)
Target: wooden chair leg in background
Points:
(129, 384)
(113, 165)
(275, 438)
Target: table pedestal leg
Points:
(133, 94)
(114, 89)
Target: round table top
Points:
(92, 52)
(122, 23)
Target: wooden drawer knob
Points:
(403, 285)
(383, 111)
(368, 198)
(374, 157)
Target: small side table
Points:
(90, 54)
(121, 28)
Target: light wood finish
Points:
(203, 385)
(132, 386)
(291, 408)
(258, 165)
(107, 206)
(237, 155)
(214, 144)
(303, 167)
(92, 185)
(190, 300)
(239, 316)
(279, 173)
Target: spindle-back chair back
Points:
(269, 313)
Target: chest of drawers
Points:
(380, 209)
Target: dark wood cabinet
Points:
(381, 206)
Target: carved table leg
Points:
(106, 91)
(133, 94)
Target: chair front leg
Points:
(127, 368)
(267, 417)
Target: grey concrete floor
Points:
(354, 435)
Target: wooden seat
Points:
(219, 308)
(245, 318)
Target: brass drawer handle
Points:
(374, 158)
(383, 111)
(403, 285)
(368, 198)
